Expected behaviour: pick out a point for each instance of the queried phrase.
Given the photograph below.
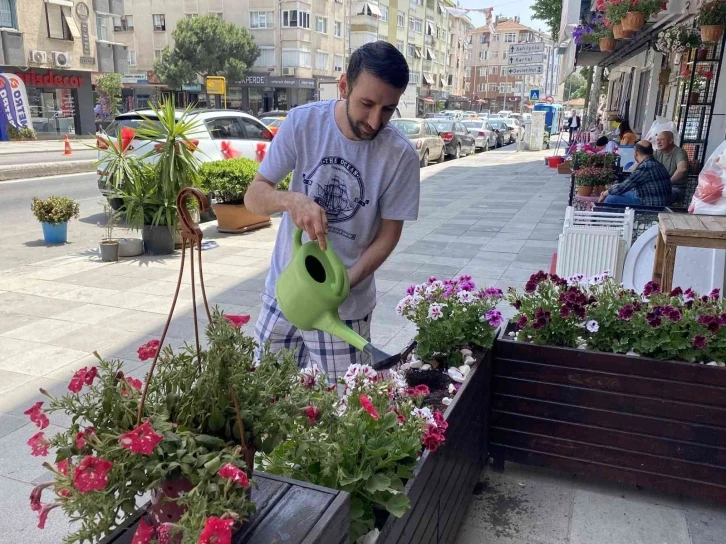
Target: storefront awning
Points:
(429, 100)
(64, 3)
(417, 52)
(428, 79)
(374, 10)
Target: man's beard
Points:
(356, 127)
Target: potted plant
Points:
(605, 39)
(54, 213)
(615, 11)
(187, 436)
(638, 12)
(600, 380)
(228, 181)
(711, 19)
(678, 38)
(584, 180)
(109, 247)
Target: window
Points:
(7, 14)
(132, 57)
(493, 87)
(192, 15)
(483, 55)
(123, 24)
(411, 52)
(510, 37)
(218, 14)
(401, 20)
(415, 25)
(157, 54)
(496, 37)
(101, 28)
(266, 58)
(321, 60)
(261, 19)
(504, 54)
(399, 45)
(384, 13)
(58, 21)
(294, 57)
(481, 87)
(225, 128)
(321, 25)
(159, 21)
(338, 29)
(494, 70)
(482, 71)
(295, 19)
(467, 71)
(414, 78)
(418, 2)
(337, 63)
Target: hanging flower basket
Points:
(607, 44)
(634, 21)
(712, 33)
(693, 97)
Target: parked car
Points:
(503, 113)
(456, 138)
(274, 113)
(424, 136)
(434, 116)
(272, 123)
(503, 132)
(484, 137)
(514, 126)
(220, 134)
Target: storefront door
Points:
(53, 111)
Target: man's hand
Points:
(310, 217)
(603, 196)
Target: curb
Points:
(47, 169)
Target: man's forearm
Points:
(680, 173)
(263, 199)
(376, 254)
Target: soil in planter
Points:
(437, 382)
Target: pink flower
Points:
(148, 350)
(441, 423)
(715, 293)
(142, 439)
(35, 494)
(37, 415)
(650, 288)
(432, 439)
(494, 318)
(91, 474)
(367, 405)
(90, 375)
(522, 322)
(43, 515)
(133, 383)
(237, 320)
(39, 443)
(79, 378)
(420, 390)
(144, 533)
(626, 312)
(676, 291)
(313, 414)
(699, 341)
(216, 531)
(63, 466)
(236, 474)
(82, 436)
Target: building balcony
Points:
(115, 7)
(365, 23)
(112, 57)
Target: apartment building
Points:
(488, 83)
(300, 41)
(57, 47)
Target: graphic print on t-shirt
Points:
(336, 186)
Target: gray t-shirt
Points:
(358, 183)
(670, 160)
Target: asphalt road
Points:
(80, 153)
(21, 236)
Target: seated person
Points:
(627, 136)
(675, 161)
(603, 145)
(648, 185)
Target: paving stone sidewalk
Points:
(495, 216)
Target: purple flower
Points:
(676, 292)
(494, 317)
(432, 279)
(467, 286)
(699, 341)
(650, 288)
(653, 320)
(689, 295)
(540, 323)
(410, 290)
(522, 322)
(714, 294)
(672, 313)
(493, 292)
(565, 312)
(530, 287)
(626, 312)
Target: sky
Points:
(507, 8)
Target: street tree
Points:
(549, 11)
(575, 86)
(206, 46)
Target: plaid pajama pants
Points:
(327, 352)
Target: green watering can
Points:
(310, 291)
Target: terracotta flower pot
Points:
(584, 190)
(236, 218)
(607, 44)
(633, 21)
(694, 97)
(702, 54)
(618, 32)
(597, 190)
(711, 33)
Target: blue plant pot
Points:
(55, 234)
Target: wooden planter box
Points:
(287, 511)
(657, 424)
(444, 483)
(565, 168)
(235, 218)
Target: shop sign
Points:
(255, 79)
(196, 88)
(88, 60)
(134, 78)
(14, 100)
(216, 85)
(36, 79)
(85, 38)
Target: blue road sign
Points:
(534, 94)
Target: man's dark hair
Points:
(380, 59)
(601, 141)
(645, 148)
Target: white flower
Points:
(576, 279)
(359, 374)
(425, 414)
(403, 305)
(592, 326)
(433, 287)
(420, 289)
(465, 296)
(436, 310)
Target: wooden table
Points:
(288, 511)
(682, 229)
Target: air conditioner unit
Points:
(38, 57)
(288, 71)
(61, 59)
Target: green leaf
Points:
(356, 509)
(216, 420)
(378, 482)
(397, 504)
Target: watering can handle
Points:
(297, 240)
(338, 280)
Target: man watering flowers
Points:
(355, 180)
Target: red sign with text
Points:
(36, 79)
